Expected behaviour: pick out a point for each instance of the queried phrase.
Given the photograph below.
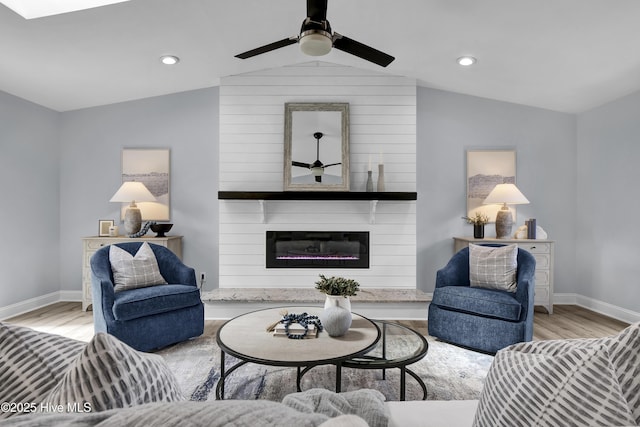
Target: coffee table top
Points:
(400, 346)
(245, 337)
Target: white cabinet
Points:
(542, 251)
(91, 244)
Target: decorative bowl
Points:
(160, 229)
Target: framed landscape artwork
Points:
(486, 169)
(151, 167)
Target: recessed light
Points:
(169, 59)
(466, 61)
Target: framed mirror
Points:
(316, 147)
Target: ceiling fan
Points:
(317, 39)
(316, 168)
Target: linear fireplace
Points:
(311, 249)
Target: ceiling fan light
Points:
(315, 43)
(317, 171)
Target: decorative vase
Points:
(478, 231)
(336, 320)
(380, 178)
(339, 300)
(369, 182)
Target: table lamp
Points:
(505, 194)
(132, 192)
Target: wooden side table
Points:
(91, 244)
(542, 251)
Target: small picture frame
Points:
(103, 227)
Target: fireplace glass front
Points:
(312, 249)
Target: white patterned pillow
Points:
(32, 363)
(624, 354)
(578, 387)
(139, 271)
(493, 267)
(109, 374)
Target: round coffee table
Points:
(400, 346)
(245, 338)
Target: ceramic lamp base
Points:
(132, 220)
(504, 224)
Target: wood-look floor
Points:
(567, 321)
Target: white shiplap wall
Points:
(382, 120)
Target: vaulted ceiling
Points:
(563, 55)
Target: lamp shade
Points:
(507, 194)
(133, 191)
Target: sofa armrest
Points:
(432, 413)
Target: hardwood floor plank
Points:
(567, 321)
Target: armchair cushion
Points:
(109, 374)
(493, 267)
(477, 301)
(143, 302)
(131, 272)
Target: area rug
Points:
(449, 372)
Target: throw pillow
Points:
(578, 387)
(109, 374)
(493, 267)
(31, 364)
(139, 271)
(624, 353)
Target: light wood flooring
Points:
(567, 321)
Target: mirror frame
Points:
(292, 107)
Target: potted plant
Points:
(338, 290)
(479, 220)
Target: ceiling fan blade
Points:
(363, 51)
(332, 164)
(268, 48)
(317, 10)
(300, 164)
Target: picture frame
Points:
(316, 147)
(151, 166)
(103, 227)
(485, 169)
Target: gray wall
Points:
(576, 171)
(608, 201)
(91, 142)
(448, 125)
(29, 167)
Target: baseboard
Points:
(396, 312)
(598, 306)
(38, 302)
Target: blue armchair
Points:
(151, 317)
(482, 319)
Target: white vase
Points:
(336, 320)
(338, 300)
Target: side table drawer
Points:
(543, 261)
(536, 248)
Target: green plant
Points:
(477, 219)
(337, 286)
